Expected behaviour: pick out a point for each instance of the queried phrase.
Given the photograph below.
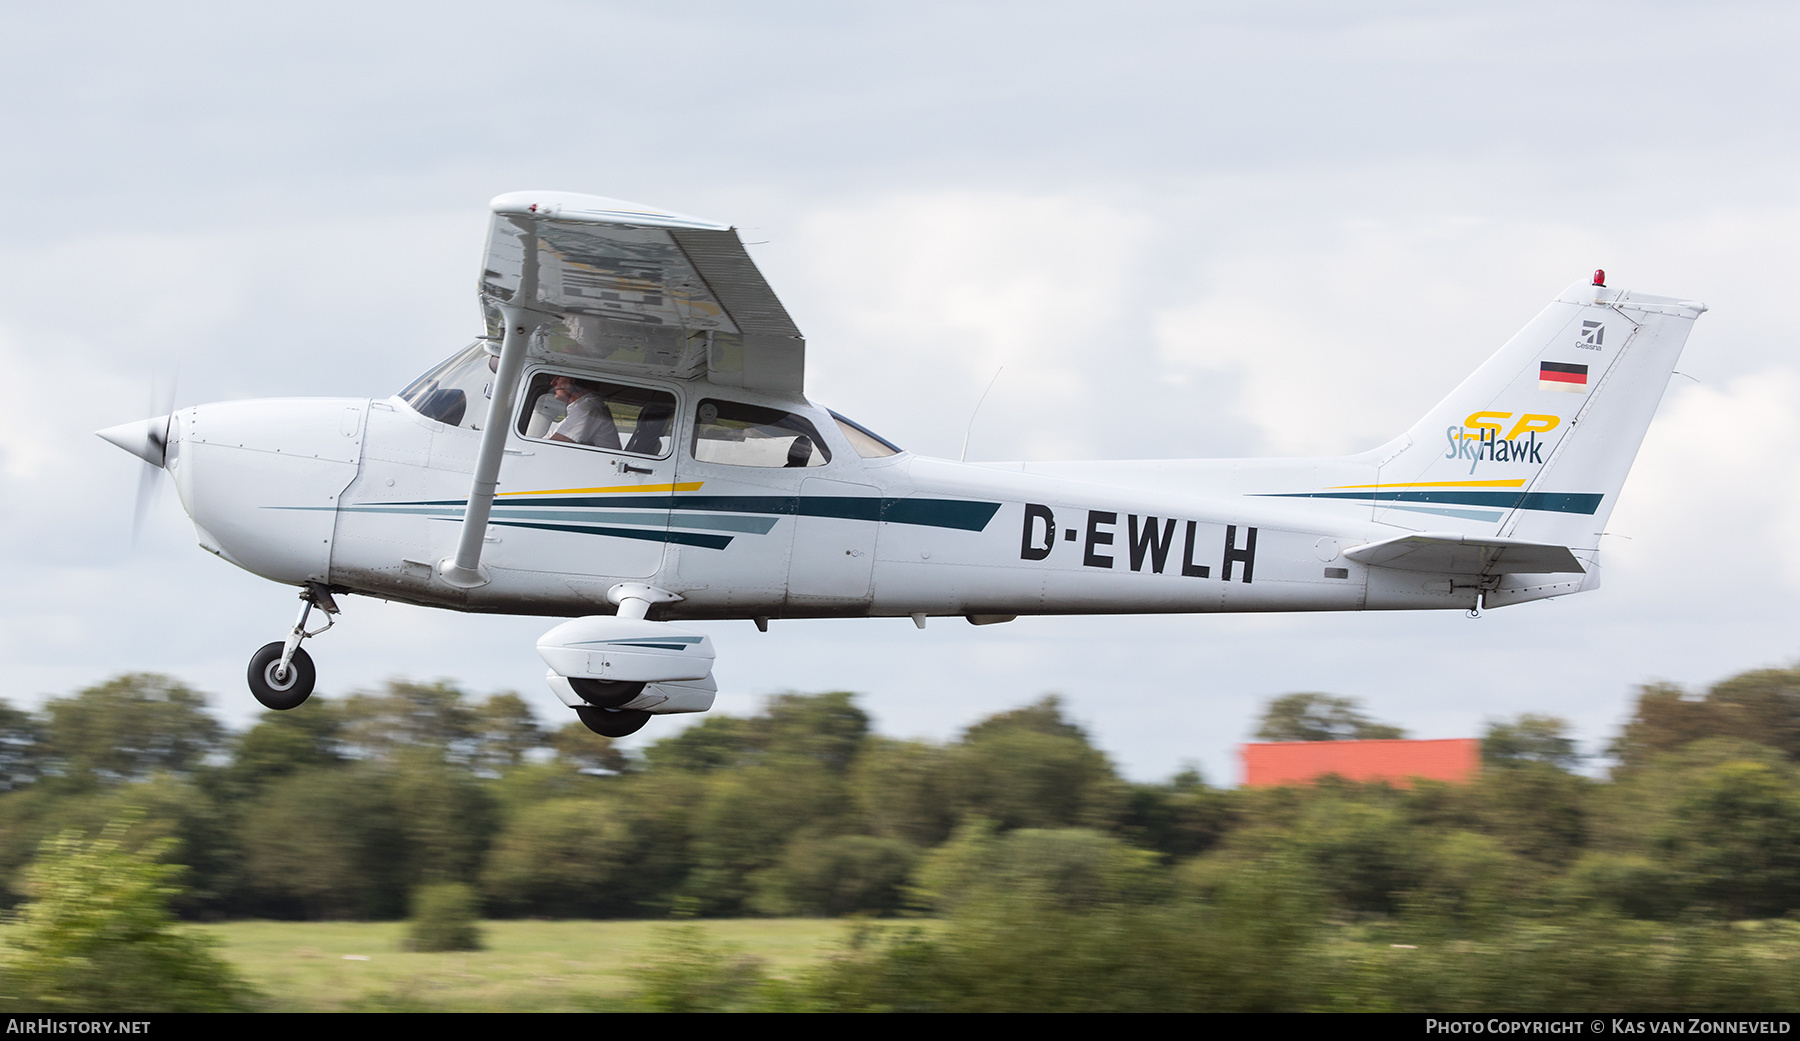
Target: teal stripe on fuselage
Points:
(642, 518)
(683, 538)
(1549, 502)
(958, 514)
(718, 522)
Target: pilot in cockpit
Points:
(588, 421)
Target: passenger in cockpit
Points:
(588, 421)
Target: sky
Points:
(1173, 229)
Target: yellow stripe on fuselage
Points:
(689, 487)
(1519, 483)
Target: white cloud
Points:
(1715, 495)
(923, 296)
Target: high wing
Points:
(632, 288)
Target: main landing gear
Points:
(602, 714)
(612, 722)
(281, 674)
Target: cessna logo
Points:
(1593, 334)
(1149, 543)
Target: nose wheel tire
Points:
(282, 691)
(612, 722)
(605, 693)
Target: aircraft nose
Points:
(148, 439)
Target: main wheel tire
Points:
(605, 693)
(281, 692)
(612, 722)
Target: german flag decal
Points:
(1563, 376)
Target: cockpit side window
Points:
(737, 434)
(456, 392)
(612, 416)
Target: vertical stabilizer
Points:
(1535, 445)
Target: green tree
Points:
(826, 729)
(1067, 867)
(1664, 719)
(1179, 819)
(1624, 884)
(1761, 706)
(748, 816)
(403, 714)
(506, 731)
(1530, 738)
(446, 916)
(129, 728)
(327, 843)
(571, 858)
(282, 743)
(1032, 768)
(586, 751)
(97, 935)
(1719, 817)
(22, 748)
(841, 875)
(1043, 716)
(446, 815)
(1363, 853)
(1736, 838)
(903, 790)
(823, 729)
(713, 743)
(1320, 717)
(1470, 881)
(1533, 809)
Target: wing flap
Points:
(1449, 553)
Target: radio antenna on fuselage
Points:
(964, 457)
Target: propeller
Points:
(148, 439)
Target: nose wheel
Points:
(281, 674)
(280, 688)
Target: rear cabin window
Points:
(736, 434)
(612, 416)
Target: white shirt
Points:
(589, 422)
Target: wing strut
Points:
(464, 570)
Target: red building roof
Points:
(1299, 762)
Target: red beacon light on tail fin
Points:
(1600, 277)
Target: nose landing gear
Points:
(281, 674)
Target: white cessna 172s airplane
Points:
(629, 446)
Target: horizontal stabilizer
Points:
(1448, 553)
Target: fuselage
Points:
(628, 445)
(365, 495)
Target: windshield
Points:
(456, 392)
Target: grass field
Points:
(528, 966)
